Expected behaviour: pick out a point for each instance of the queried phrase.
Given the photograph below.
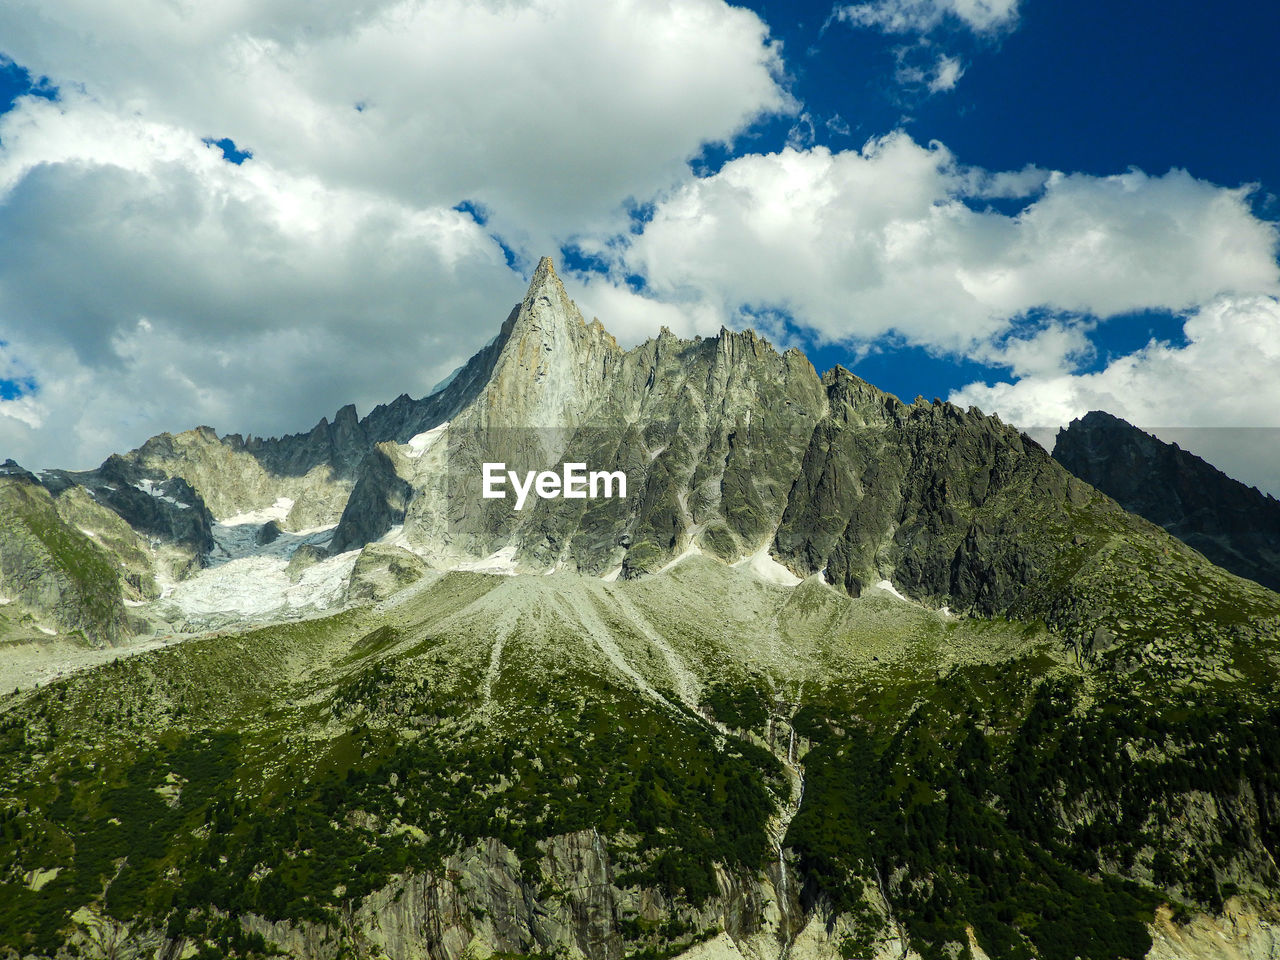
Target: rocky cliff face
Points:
(729, 448)
(1232, 524)
(58, 575)
(734, 450)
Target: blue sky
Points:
(248, 218)
(1088, 86)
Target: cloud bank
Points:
(899, 237)
(148, 284)
(1224, 377)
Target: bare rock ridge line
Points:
(729, 447)
(1234, 525)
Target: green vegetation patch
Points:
(1051, 822)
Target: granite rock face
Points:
(54, 570)
(1234, 525)
(152, 503)
(729, 448)
(377, 502)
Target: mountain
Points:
(839, 676)
(1234, 525)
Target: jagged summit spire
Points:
(545, 285)
(545, 270)
(546, 304)
(549, 361)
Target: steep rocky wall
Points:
(53, 568)
(1234, 525)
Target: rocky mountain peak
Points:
(550, 361)
(1234, 525)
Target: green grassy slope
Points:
(952, 772)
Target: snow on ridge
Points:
(422, 442)
(152, 489)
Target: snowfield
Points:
(258, 588)
(249, 580)
(422, 442)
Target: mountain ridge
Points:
(840, 678)
(1233, 524)
(730, 447)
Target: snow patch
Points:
(5, 601)
(501, 562)
(445, 382)
(612, 575)
(249, 580)
(277, 511)
(47, 631)
(237, 537)
(888, 587)
(259, 587)
(88, 533)
(420, 444)
(152, 489)
(767, 569)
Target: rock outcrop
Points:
(731, 448)
(381, 570)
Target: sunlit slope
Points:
(532, 764)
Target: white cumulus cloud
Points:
(1202, 395)
(147, 284)
(922, 16)
(898, 238)
(549, 112)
